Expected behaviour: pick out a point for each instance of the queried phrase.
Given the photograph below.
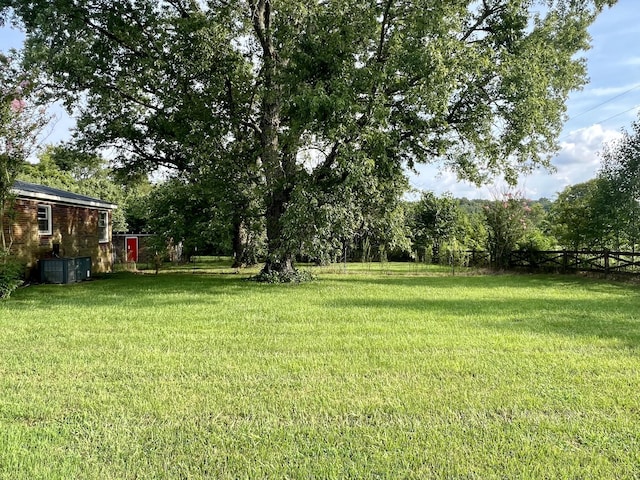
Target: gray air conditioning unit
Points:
(64, 270)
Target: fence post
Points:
(565, 261)
(606, 262)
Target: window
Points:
(103, 226)
(44, 219)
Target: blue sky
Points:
(608, 103)
(597, 113)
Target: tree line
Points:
(292, 122)
(602, 213)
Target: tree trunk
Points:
(244, 247)
(3, 240)
(280, 258)
(239, 241)
(276, 164)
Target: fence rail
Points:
(602, 261)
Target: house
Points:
(132, 248)
(47, 222)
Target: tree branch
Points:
(383, 31)
(486, 13)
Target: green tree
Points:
(474, 223)
(21, 121)
(507, 223)
(620, 181)
(538, 235)
(46, 172)
(436, 220)
(181, 211)
(303, 93)
(582, 217)
(64, 168)
(329, 221)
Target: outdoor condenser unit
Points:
(65, 270)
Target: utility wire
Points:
(606, 101)
(618, 114)
(603, 121)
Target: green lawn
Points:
(364, 374)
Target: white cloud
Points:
(577, 162)
(581, 147)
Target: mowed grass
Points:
(198, 374)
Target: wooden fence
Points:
(565, 261)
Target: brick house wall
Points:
(74, 233)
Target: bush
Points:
(296, 276)
(454, 254)
(10, 275)
(536, 240)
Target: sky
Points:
(609, 103)
(597, 113)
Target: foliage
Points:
(286, 95)
(11, 274)
(327, 223)
(535, 239)
(603, 212)
(444, 229)
(474, 230)
(454, 254)
(620, 184)
(274, 276)
(21, 120)
(581, 217)
(538, 235)
(175, 210)
(507, 222)
(436, 220)
(179, 210)
(65, 168)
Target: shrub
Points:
(10, 275)
(454, 254)
(296, 276)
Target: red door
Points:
(132, 249)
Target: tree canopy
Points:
(329, 96)
(620, 173)
(21, 121)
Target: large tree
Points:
(620, 180)
(583, 217)
(436, 220)
(292, 93)
(21, 121)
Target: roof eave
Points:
(63, 200)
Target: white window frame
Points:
(103, 228)
(47, 209)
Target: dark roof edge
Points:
(50, 194)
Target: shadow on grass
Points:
(493, 281)
(132, 290)
(616, 318)
(602, 309)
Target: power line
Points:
(605, 120)
(618, 114)
(606, 101)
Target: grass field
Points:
(391, 372)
